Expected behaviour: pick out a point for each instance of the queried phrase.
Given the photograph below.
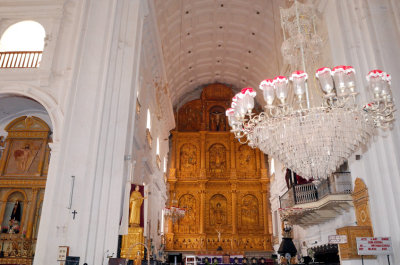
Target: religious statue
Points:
(217, 158)
(135, 202)
(138, 259)
(15, 218)
(219, 231)
(217, 120)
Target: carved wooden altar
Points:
(364, 224)
(23, 172)
(222, 184)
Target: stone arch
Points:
(43, 98)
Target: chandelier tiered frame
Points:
(312, 141)
(175, 213)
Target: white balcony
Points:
(319, 201)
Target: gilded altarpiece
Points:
(223, 185)
(23, 173)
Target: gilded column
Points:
(234, 209)
(173, 165)
(202, 207)
(173, 158)
(233, 153)
(203, 155)
(3, 205)
(169, 239)
(233, 157)
(267, 215)
(31, 215)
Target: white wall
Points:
(366, 35)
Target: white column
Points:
(97, 127)
(366, 35)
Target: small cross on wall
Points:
(74, 213)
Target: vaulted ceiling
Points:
(235, 42)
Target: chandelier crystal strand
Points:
(174, 212)
(311, 139)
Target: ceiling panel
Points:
(230, 41)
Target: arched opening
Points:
(26, 131)
(13, 213)
(21, 45)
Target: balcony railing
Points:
(20, 59)
(338, 183)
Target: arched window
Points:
(158, 146)
(165, 165)
(21, 45)
(148, 122)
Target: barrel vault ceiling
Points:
(234, 42)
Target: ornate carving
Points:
(188, 157)
(149, 138)
(217, 119)
(131, 243)
(249, 210)
(246, 158)
(217, 160)
(190, 116)
(216, 92)
(364, 225)
(187, 224)
(218, 213)
(219, 180)
(349, 250)
(24, 166)
(361, 203)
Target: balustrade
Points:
(20, 59)
(338, 183)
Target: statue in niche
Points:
(15, 218)
(217, 119)
(249, 211)
(188, 223)
(246, 157)
(217, 158)
(135, 202)
(188, 157)
(218, 214)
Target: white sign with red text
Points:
(374, 245)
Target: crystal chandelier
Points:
(174, 212)
(311, 139)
